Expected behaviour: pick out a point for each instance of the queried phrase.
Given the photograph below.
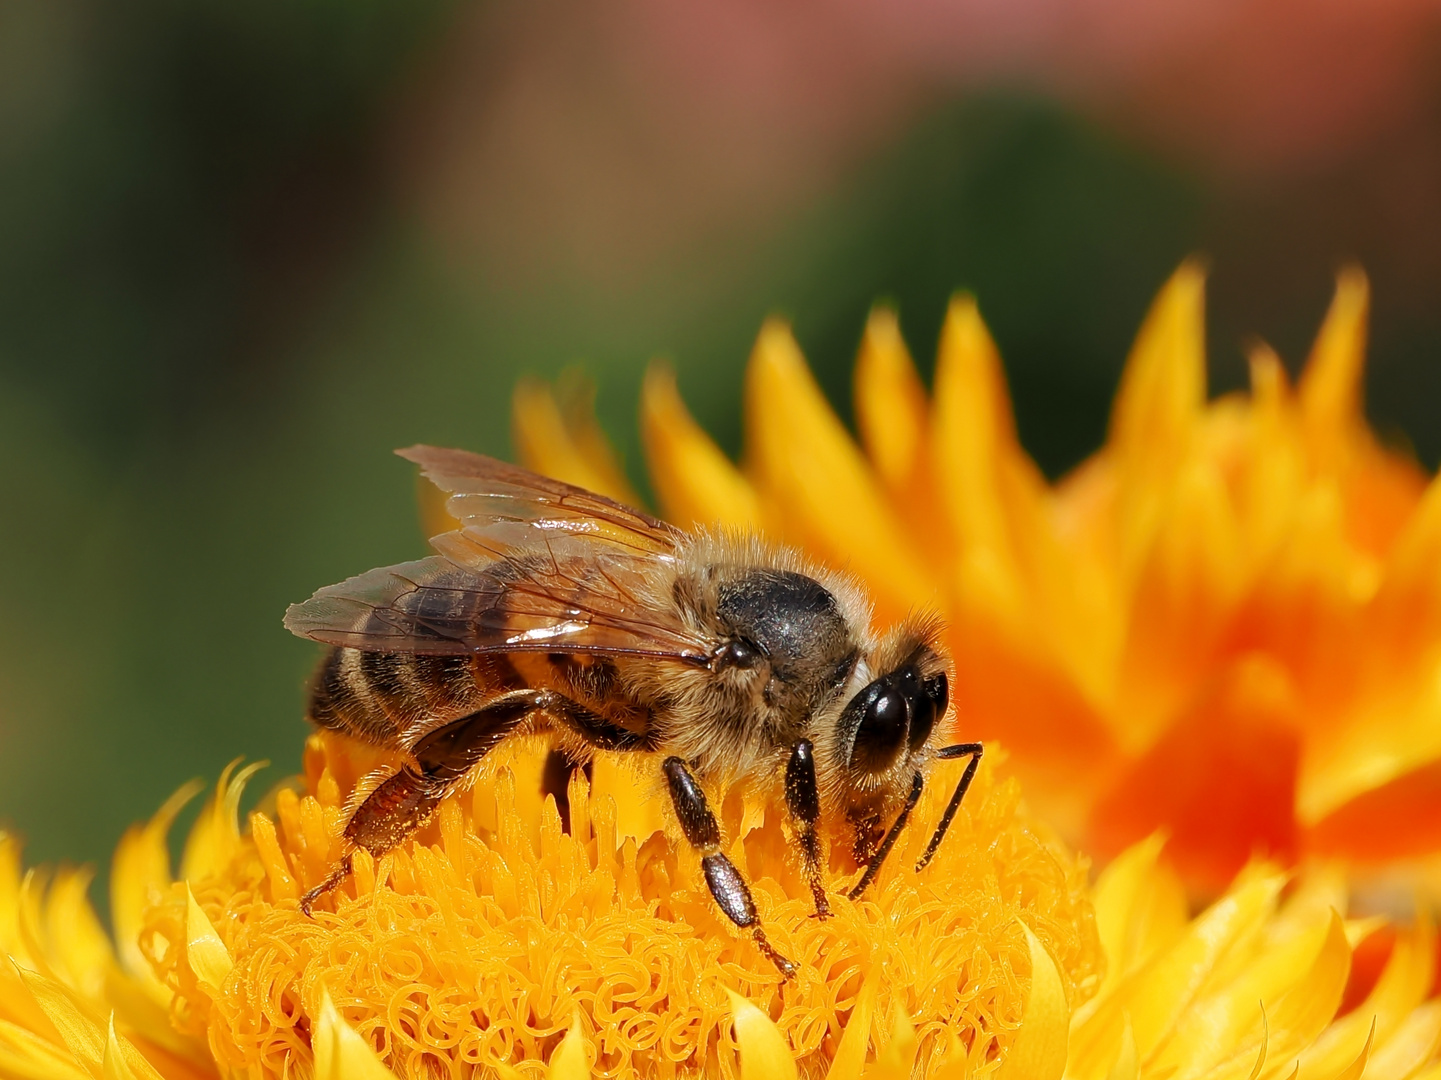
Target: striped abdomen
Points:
(378, 696)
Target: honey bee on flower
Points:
(1225, 623)
(1255, 576)
(554, 610)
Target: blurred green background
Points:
(247, 249)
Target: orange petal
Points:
(566, 443)
(1189, 580)
(1220, 781)
(890, 403)
(1399, 819)
(694, 481)
(1163, 386)
(1330, 385)
(977, 458)
(817, 485)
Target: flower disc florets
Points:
(477, 944)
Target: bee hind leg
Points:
(725, 882)
(403, 802)
(804, 803)
(332, 880)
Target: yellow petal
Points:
(140, 867)
(113, 1066)
(1158, 994)
(81, 1035)
(26, 1056)
(1411, 1045)
(954, 1064)
(764, 1052)
(694, 481)
(568, 1062)
(215, 837)
(1140, 908)
(340, 1052)
(86, 1040)
(10, 877)
(816, 482)
(850, 1055)
(566, 443)
(1403, 985)
(1127, 1065)
(207, 954)
(1277, 1002)
(1164, 383)
(1038, 1050)
(79, 950)
(1189, 578)
(1357, 1067)
(1330, 386)
(899, 1056)
(890, 402)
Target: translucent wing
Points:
(537, 566)
(507, 508)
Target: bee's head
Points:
(888, 722)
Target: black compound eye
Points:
(739, 653)
(927, 706)
(882, 731)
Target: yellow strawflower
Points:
(1226, 622)
(501, 944)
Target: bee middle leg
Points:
(403, 802)
(803, 800)
(702, 831)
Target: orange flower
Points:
(1227, 622)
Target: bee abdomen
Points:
(376, 696)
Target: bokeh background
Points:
(247, 247)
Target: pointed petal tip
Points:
(1331, 382)
(764, 1052)
(1038, 1051)
(207, 954)
(569, 1062)
(694, 481)
(340, 1052)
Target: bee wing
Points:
(437, 606)
(510, 509)
(537, 566)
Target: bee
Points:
(717, 657)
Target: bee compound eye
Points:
(927, 706)
(882, 731)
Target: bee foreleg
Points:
(702, 831)
(974, 749)
(803, 800)
(874, 866)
